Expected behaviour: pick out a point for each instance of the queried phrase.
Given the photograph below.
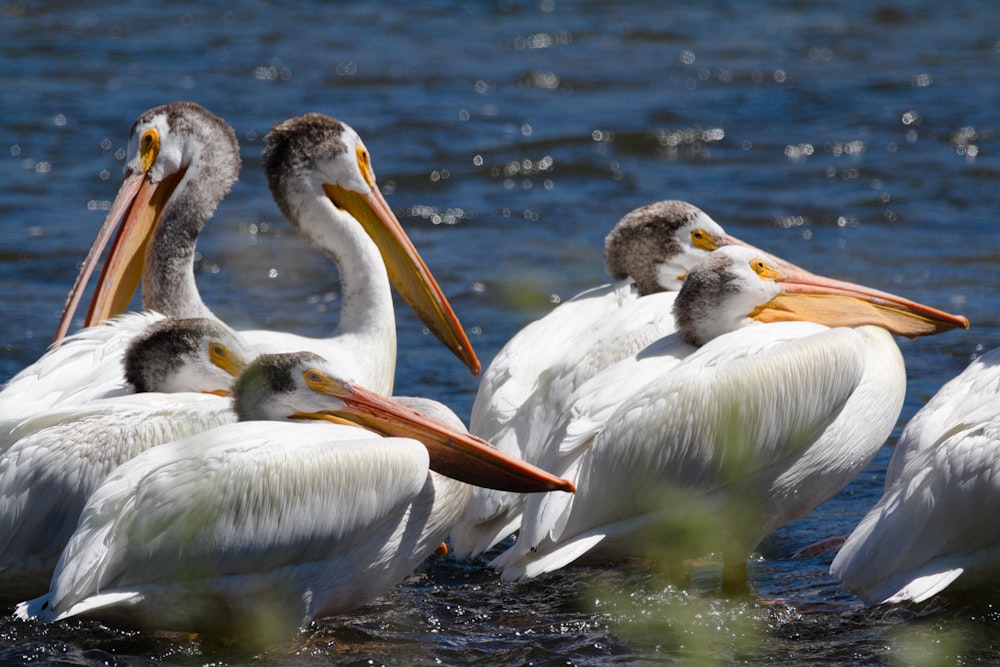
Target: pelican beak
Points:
(709, 242)
(806, 296)
(727, 239)
(453, 453)
(407, 271)
(137, 207)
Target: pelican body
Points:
(934, 530)
(529, 382)
(758, 409)
(182, 371)
(253, 529)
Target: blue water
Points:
(860, 140)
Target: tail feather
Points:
(35, 610)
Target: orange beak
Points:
(453, 453)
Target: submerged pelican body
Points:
(530, 381)
(934, 529)
(724, 431)
(264, 525)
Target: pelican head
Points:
(318, 154)
(735, 286)
(301, 385)
(182, 160)
(193, 354)
(655, 245)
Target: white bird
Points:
(527, 385)
(934, 527)
(321, 177)
(724, 431)
(255, 528)
(182, 160)
(182, 371)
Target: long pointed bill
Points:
(806, 296)
(123, 266)
(453, 453)
(139, 203)
(407, 271)
(130, 194)
(797, 274)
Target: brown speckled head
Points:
(294, 147)
(176, 354)
(195, 141)
(646, 238)
(712, 282)
(261, 390)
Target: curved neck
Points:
(168, 284)
(366, 311)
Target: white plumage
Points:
(934, 527)
(252, 524)
(529, 382)
(724, 442)
(255, 528)
(59, 456)
(85, 367)
(47, 476)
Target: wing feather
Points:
(244, 498)
(86, 366)
(933, 523)
(63, 454)
(740, 407)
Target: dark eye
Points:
(313, 376)
(218, 350)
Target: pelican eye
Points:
(365, 164)
(149, 147)
(313, 377)
(217, 351)
(703, 240)
(764, 269)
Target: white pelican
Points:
(935, 526)
(259, 527)
(527, 385)
(724, 431)
(60, 456)
(321, 177)
(182, 161)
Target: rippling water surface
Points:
(860, 141)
